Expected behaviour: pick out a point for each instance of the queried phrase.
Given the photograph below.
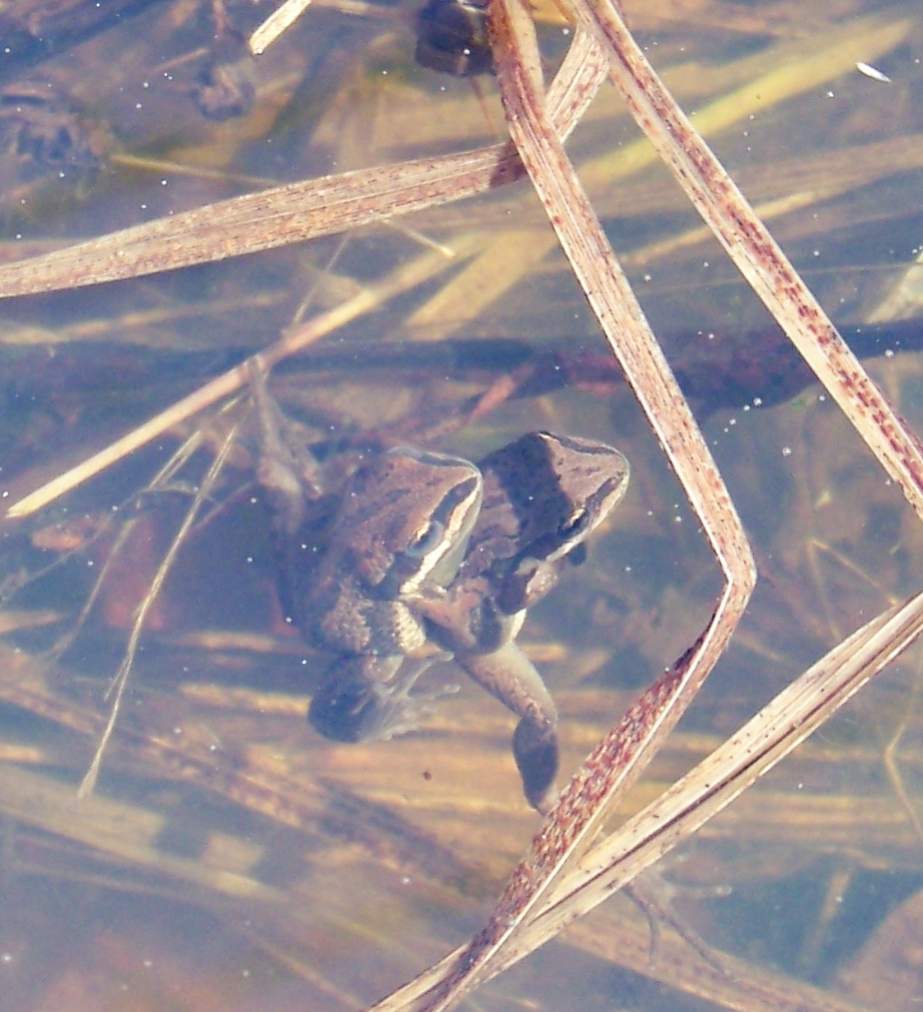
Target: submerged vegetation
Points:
(143, 152)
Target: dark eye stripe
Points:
(450, 515)
(460, 493)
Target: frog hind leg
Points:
(512, 678)
(286, 471)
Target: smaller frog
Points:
(402, 525)
(349, 562)
(544, 495)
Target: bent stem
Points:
(780, 727)
(626, 750)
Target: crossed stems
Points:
(616, 762)
(538, 124)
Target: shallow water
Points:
(230, 857)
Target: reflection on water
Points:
(233, 858)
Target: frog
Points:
(544, 495)
(401, 527)
(351, 559)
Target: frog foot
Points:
(370, 699)
(510, 676)
(535, 749)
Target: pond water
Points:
(232, 857)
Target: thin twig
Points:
(405, 277)
(117, 689)
(165, 474)
(285, 15)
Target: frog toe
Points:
(350, 710)
(535, 749)
(351, 706)
(408, 711)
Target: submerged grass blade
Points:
(627, 749)
(755, 252)
(297, 211)
(709, 788)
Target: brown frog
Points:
(544, 494)
(354, 583)
(350, 562)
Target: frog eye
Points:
(576, 525)
(428, 539)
